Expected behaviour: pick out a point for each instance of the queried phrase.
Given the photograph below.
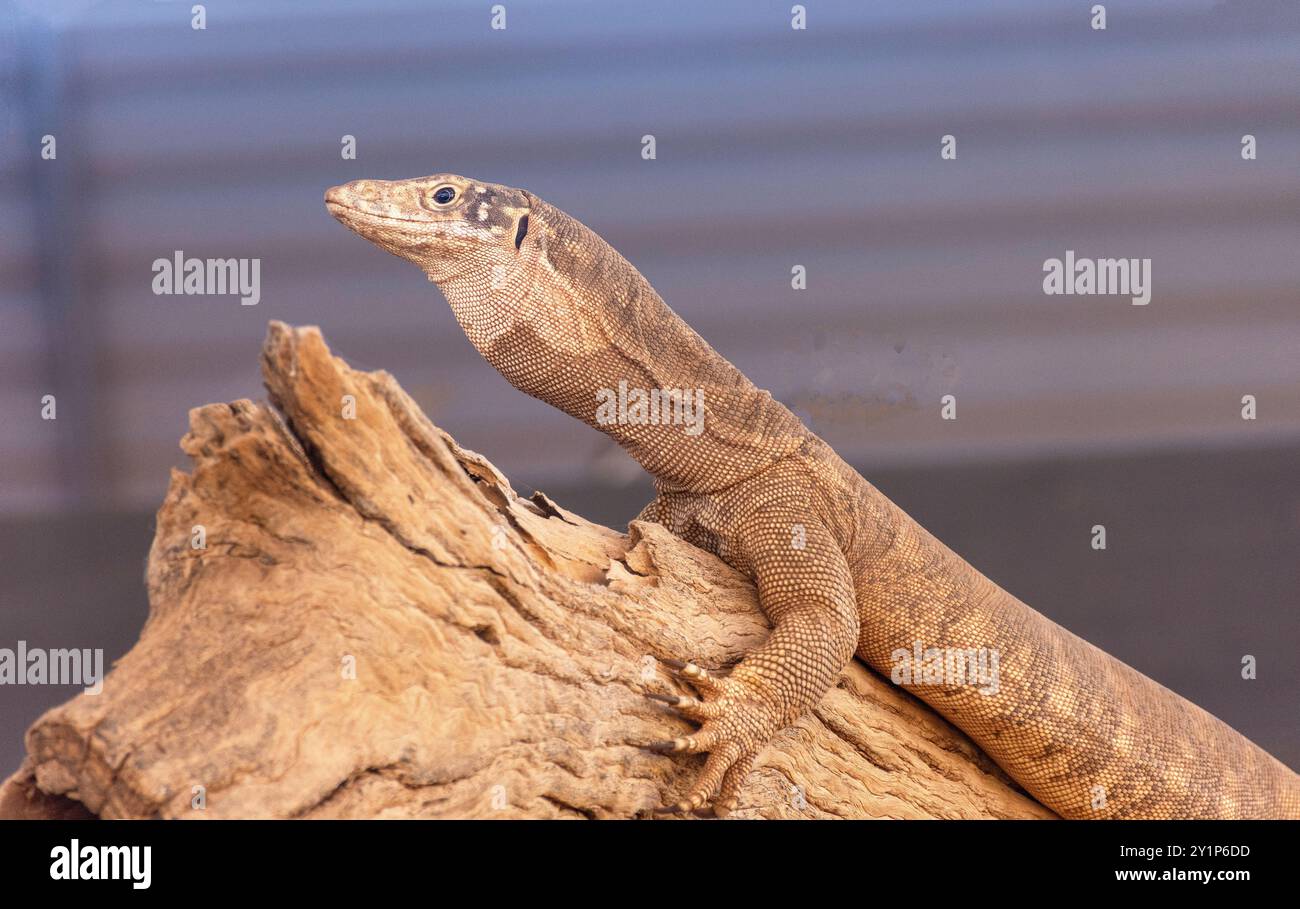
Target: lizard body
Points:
(840, 569)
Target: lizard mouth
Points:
(345, 206)
(341, 211)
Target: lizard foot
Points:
(735, 723)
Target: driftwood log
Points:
(352, 616)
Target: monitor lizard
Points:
(840, 569)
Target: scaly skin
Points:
(839, 568)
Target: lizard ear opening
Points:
(521, 231)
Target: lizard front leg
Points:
(806, 590)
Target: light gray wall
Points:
(775, 148)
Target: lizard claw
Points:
(667, 746)
(670, 699)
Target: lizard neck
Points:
(577, 326)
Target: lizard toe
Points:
(710, 779)
(729, 797)
(703, 681)
(691, 708)
(703, 740)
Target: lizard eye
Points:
(444, 195)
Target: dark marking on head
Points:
(521, 231)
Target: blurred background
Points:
(775, 147)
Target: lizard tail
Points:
(1084, 733)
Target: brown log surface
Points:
(380, 627)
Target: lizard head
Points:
(497, 253)
(448, 225)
